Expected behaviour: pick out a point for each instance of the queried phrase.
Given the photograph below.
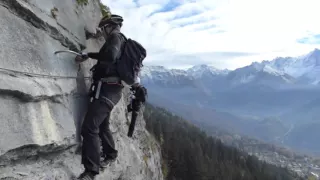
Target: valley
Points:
(274, 101)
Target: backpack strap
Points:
(122, 46)
(125, 38)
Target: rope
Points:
(41, 75)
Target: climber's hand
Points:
(82, 57)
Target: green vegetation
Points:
(145, 158)
(82, 2)
(189, 154)
(312, 177)
(164, 168)
(105, 10)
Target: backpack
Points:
(130, 62)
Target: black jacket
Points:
(107, 56)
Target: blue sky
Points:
(223, 33)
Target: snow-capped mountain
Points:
(284, 70)
(306, 68)
(159, 75)
(211, 77)
(280, 71)
(194, 72)
(259, 73)
(195, 75)
(201, 71)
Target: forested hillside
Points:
(189, 154)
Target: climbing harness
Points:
(96, 88)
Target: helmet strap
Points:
(108, 33)
(111, 30)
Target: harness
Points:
(96, 88)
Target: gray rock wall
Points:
(43, 96)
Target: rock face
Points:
(43, 96)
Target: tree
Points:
(191, 154)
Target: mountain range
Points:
(275, 100)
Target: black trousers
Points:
(96, 126)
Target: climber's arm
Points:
(108, 53)
(93, 55)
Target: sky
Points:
(227, 34)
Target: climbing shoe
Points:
(86, 176)
(104, 163)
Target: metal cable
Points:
(75, 95)
(41, 75)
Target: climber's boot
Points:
(87, 176)
(106, 161)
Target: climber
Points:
(106, 91)
(138, 97)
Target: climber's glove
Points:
(82, 57)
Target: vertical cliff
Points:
(43, 96)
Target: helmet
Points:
(113, 19)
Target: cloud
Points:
(224, 33)
(312, 39)
(175, 60)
